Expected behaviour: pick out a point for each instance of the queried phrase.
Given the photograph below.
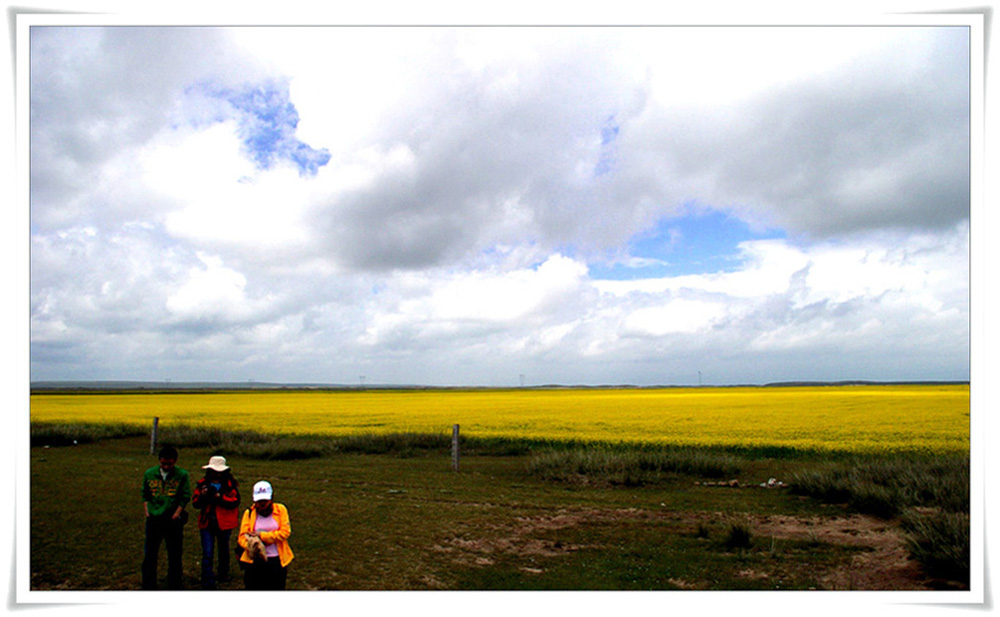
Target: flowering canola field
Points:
(931, 418)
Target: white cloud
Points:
(209, 291)
(473, 175)
(676, 316)
(471, 303)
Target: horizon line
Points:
(55, 384)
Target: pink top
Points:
(267, 523)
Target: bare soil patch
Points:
(884, 566)
(512, 539)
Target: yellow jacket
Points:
(278, 536)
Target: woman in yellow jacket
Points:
(269, 522)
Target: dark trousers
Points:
(265, 575)
(214, 541)
(162, 529)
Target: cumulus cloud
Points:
(581, 146)
(470, 305)
(97, 92)
(838, 296)
(433, 204)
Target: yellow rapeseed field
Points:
(848, 418)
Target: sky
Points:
(498, 206)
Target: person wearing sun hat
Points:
(268, 521)
(217, 495)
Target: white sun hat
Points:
(218, 463)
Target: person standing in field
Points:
(166, 490)
(265, 522)
(217, 496)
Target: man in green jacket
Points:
(166, 489)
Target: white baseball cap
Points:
(262, 491)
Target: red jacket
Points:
(223, 505)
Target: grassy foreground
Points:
(389, 513)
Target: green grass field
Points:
(533, 518)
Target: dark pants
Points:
(166, 530)
(265, 575)
(214, 541)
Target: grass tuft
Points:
(940, 542)
(610, 466)
(739, 537)
(244, 443)
(400, 444)
(888, 487)
(59, 434)
(898, 488)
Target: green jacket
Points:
(165, 495)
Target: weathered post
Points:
(152, 441)
(454, 447)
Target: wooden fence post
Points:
(152, 440)
(454, 447)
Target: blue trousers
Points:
(214, 541)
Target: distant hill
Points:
(159, 386)
(174, 385)
(789, 384)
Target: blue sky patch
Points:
(699, 243)
(267, 121)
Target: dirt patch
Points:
(885, 566)
(683, 584)
(854, 530)
(754, 574)
(432, 582)
(513, 539)
(517, 537)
